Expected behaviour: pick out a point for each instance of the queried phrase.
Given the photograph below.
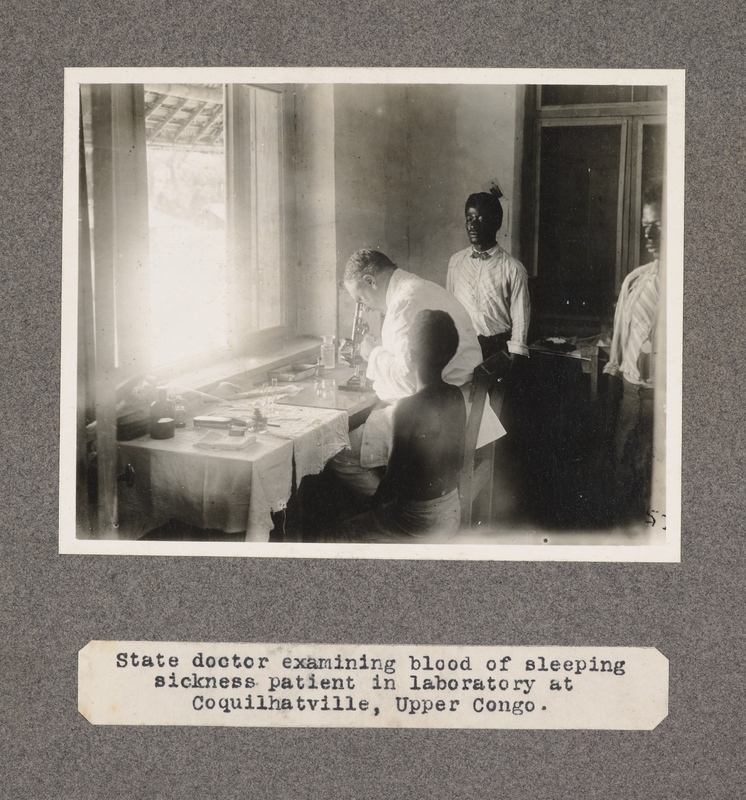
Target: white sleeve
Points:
(520, 312)
(615, 351)
(390, 365)
(450, 276)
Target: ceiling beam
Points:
(162, 124)
(214, 117)
(188, 91)
(155, 105)
(188, 121)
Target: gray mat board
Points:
(53, 605)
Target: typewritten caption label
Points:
(381, 686)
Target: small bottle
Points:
(258, 421)
(328, 352)
(162, 413)
(180, 415)
(318, 370)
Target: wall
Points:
(461, 139)
(371, 169)
(316, 226)
(371, 178)
(389, 167)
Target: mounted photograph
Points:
(372, 313)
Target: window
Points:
(189, 280)
(194, 174)
(256, 156)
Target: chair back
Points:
(476, 478)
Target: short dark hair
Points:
(489, 202)
(366, 262)
(434, 334)
(653, 194)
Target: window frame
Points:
(239, 152)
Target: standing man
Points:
(372, 278)
(632, 359)
(490, 284)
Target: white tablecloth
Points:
(231, 490)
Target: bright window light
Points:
(186, 197)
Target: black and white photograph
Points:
(373, 418)
(372, 313)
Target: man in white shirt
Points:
(373, 279)
(493, 287)
(632, 359)
(490, 283)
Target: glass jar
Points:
(162, 415)
(180, 415)
(258, 421)
(328, 352)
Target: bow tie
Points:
(482, 256)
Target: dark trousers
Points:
(633, 450)
(509, 401)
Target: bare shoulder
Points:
(433, 399)
(454, 397)
(409, 407)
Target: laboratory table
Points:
(237, 490)
(331, 390)
(591, 357)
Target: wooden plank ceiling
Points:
(185, 116)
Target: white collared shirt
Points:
(495, 293)
(390, 365)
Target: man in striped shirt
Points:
(490, 283)
(632, 359)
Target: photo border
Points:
(670, 551)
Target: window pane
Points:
(578, 218)
(186, 193)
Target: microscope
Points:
(349, 351)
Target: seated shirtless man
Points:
(417, 499)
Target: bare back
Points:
(427, 451)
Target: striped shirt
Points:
(633, 342)
(494, 290)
